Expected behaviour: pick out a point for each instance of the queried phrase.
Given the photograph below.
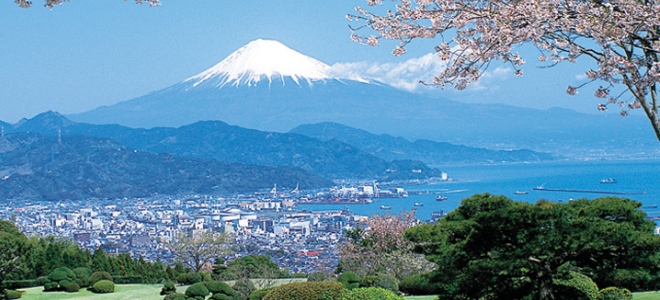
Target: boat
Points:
(386, 207)
(441, 198)
(419, 204)
(608, 180)
(521, 192)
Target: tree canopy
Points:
(497, 248)
(621, 36)
(380, 248)
(12, 245)
(199, 249)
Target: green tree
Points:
(195, 250)
(493, 247)
(12, 246)
(255, 266)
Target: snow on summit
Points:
(261, 59)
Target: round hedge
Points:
(62, 273)
(306, 291)
(103, 287)
(259, 294)
(175, 296)
(614, 293)
(219, 287)
(222, 297)
(576, 286)
(370, 293)
(82, 276)
(168, 288)
(197, 290)
(72, 287)
(98, 276)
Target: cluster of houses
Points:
(298, 240)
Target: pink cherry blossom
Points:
(620, 36)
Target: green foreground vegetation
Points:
(151, 292)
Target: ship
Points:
(608, 180)
(419, 204)
(441, 198)
(385, 207)
(521, 192)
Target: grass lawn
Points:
(647, 296)
(134, 291)
(122, 292)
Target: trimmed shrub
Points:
(224, 297)
(72, 287)
(168, 288)
(50, 286)
(614, 293)
(370, 293)
(98, 276)
(58, 279)
(219, 287)
(575, 286)
(307, 291)
(175, 296)
(20, 284)
(189, 278)
(82, 276)
(350, 280)
(419, 284)
(197, 291)
(61, 273)
(103, 286)
(11, 294)
(259, 294)
(41, 280)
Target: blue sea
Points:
(637, 179)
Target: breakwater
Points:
(587, 191)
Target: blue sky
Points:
(85, 54)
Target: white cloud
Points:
(408, 74)
(405, 75)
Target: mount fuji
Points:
(267, 86)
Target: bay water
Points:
(635, 179)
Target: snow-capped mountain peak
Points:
(262, 59)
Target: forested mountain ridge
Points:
(33, 166)
(389, 147)
(224, 142)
